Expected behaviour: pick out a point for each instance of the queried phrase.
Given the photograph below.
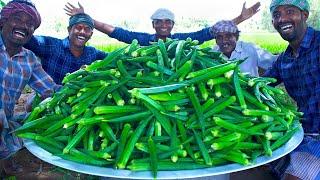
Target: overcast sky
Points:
(144, 8)
(115, 10)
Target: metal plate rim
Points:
(44, 155)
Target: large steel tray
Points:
(182, 174)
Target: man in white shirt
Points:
(227, 35)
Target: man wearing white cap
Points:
(163, 22)
(227, 39)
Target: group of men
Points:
(297, 68)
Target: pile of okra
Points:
(168, 106)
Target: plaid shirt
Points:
(15, 73)
(301, 77)
(56, 57)
(144, 39)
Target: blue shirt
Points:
(15, 73)
(144, 39)
(56, 57)
(301, 78)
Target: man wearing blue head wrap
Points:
(62, 56)
(162, 21)
(298, 68)
(81, 18)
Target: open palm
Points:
(72, 10)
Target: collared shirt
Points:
(15, 73)
(301, 78)
(56, 57)
(144, 39)
(254, 55)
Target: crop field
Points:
(272, 42)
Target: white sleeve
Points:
(216, 48)
(265, 58)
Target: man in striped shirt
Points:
(18, 67)
(299, 69)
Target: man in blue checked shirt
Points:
(18, 67)
(299, 70)
(62, 56)
(162, 21)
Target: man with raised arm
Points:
(163, 22)
(62, 56)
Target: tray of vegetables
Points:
(168, 110)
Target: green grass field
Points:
(269, 41)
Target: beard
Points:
(288, 37)
(298, 29)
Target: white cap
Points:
(163, 13)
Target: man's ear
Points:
(152, 24)
(305, 15)
(1, 22)
(69, 29)
(237, 36)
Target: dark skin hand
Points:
(247, 13)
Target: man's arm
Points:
(100, 26)
(273, 72)
(103, 27)
(247, 13)
(41, 82)
(265, 58)
(39, 45)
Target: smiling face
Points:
(79, 34)
(163, 27)
(227, 42)
(17, 29)
(290, 22)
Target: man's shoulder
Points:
(245, 44)
(317, 31)
(46, 40)
(120, 30)
(317, 35)
(30, 55)
(42, 37)
(92, 49)
(245, 47)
